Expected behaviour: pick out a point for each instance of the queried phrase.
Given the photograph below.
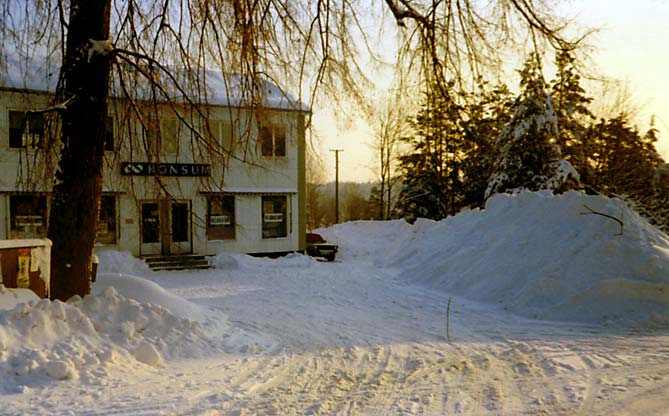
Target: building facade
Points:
(178, 179)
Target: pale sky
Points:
(632, 46)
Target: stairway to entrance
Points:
(178, 262)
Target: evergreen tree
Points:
(374, 201)
(624, 161)
(655, 206)
(527, 153)
(571, 109)
(487, 114)
(431, 171)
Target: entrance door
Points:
(180, 232)
(165, 228)
(150, 233)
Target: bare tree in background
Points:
(316, 204)
(390, 123)
(302, 44)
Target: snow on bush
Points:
(86, 338)
(564, 175)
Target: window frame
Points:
(270, 218)
(158, 142)
(224, 231)
(222, 132)
(30, 137)
(40, 203)
(169, 143)
(272, 139)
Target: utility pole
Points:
(336, 151)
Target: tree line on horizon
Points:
(461, 148)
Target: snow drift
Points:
(84, 339)
(536, 254)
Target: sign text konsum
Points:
(164, 169)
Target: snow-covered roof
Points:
(215, 87)
(228, 90)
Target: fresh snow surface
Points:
(534, 305)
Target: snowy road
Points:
(350, 338)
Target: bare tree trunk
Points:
(76, 196)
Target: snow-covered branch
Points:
(99, 47)
(62, 106)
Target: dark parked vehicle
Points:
(318, 247)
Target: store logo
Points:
(164, 169)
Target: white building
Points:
(173, 183)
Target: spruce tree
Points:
(624, 161)
(573, 115)
(487, 112)
(431, 171)
(527, 151)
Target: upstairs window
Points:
(220, 133)
(221, 218)
(27, 216)
(25, 129)
(169, 136)
(274, 213)
(162, 135)
(273, 140)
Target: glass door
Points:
(180, 227)
(150, 235)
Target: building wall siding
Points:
(243, 172)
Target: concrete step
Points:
(178, 262)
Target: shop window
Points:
(221, 218)
(106, 229)
(27, 215)
(274, 217)
(273, 140)
(25, 129)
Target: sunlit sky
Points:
(631, 45)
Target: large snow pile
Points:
(84, 339)
(539, 255)
(145, 291)
(363, 239)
